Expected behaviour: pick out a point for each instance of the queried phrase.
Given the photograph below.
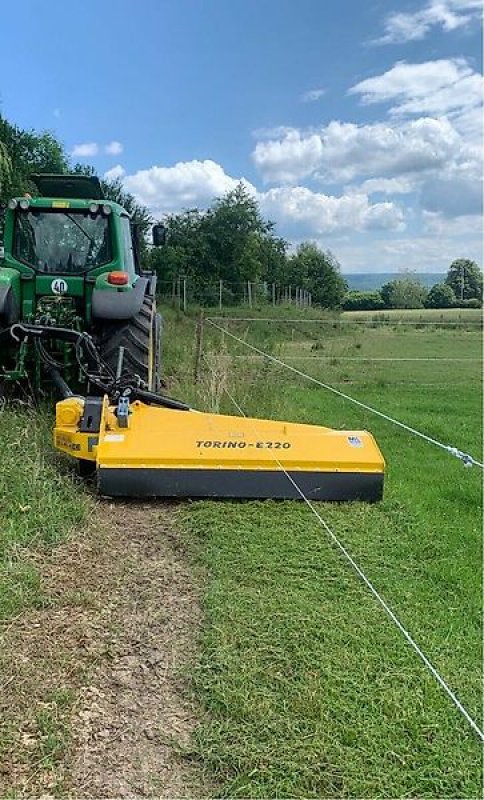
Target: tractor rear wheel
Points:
(141, 339)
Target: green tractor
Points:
(70, 262)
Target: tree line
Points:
(462, 288)
(230, 241)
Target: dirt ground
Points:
(94, 699)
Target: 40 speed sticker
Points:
(59, 286)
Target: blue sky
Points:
(357, 125)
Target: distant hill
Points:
(367, 281)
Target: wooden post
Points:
(273, 294)
(178, 293)
(220, 294)
(290, 294)
(198, 348)
(249, 293)
(173, 292)
(185, 295)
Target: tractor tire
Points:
(141, 339)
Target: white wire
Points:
(337, 322)
(467, 459)
(376, 594)
(364, 358)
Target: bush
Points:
(404, 292)
(362, 301)
(441, 295)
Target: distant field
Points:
(310, 690)
(472, 315)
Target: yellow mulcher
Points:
(141, 450)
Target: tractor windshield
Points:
(58, 242)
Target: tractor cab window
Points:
(58, 242)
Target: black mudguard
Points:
(119, 305)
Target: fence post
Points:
(185, 295)
(273, 294)
(220, 293)
(198, 348)
(173, 292)
(249, 294)
(290, 294)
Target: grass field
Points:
(311, 690)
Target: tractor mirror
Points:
(159, 235)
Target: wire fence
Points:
(182, 292)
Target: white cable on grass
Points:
(467, 459)
(376, 594)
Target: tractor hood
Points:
(84, 187)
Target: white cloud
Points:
(298, 209)
(403, 185)
(438, 154)
(456, 193)
(312, 95)
(343, 151)
(432, 87)
(114, 148)
(85, 150)
(447, 14)
(289, 158)
(437, 224)
(185, 185)
(115, 173)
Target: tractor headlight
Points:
(24, 204)
(12, 204)
(107, 210)
(93, 208)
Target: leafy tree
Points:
(230, 241)
(5, 165)
(318, 272)
(405, 292)
(28, 152)
(441, 295)
(362, 301)
(465, 278)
